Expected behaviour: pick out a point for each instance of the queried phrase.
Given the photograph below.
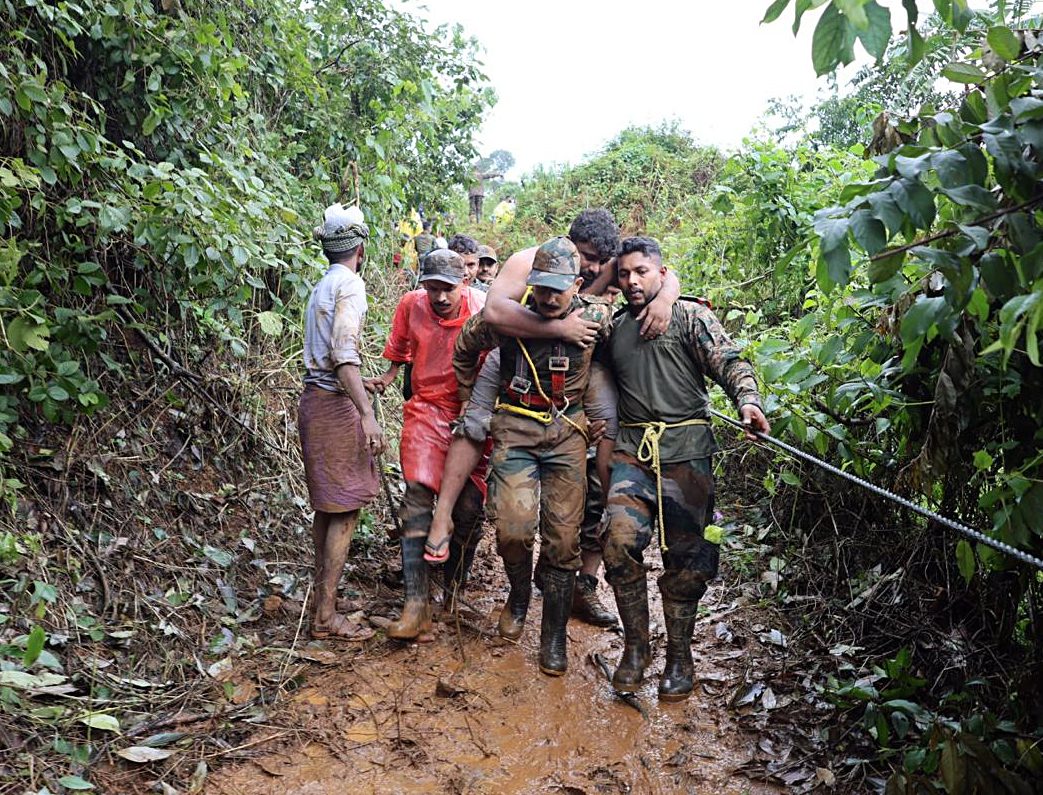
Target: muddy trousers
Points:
(689, 562)
(418, 507)
(537, 482)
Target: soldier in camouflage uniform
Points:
(661, 467)
(538, 477)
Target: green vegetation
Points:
(891, 293)
(161, 164)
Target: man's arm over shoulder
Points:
(719, 356)
(475, 337)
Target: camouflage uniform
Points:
(662, 381)
(538, 477)
(534, 466)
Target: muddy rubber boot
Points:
(676, 682)
(512, 617)
(559, 586)
(538, 572)
(632, 601)
(457, 569)
(585, 603)
(416, 617)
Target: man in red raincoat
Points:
(426, 324)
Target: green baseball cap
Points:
(443, 265)
(487, 252)
(556, 265)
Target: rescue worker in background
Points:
(476, 193)
(467, 248)
(426, 324)
(503, 213)
(661, 468)
(340, 436)
(540, 442)
(425, 241)
(488, 263)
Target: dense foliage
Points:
(166, 160)
(162, 164)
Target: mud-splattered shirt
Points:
(662, 380)
(332, 325)
(478, 336)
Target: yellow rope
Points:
(648, 453)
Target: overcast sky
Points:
(570, 74)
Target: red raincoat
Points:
(419, 336)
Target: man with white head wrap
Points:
(340, 436)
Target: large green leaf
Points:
(774, 10)
(971, 196)
(960, 72)
(868, 231)
(33, 646)
(882, 269)
(877, 33)
(831, 43)
(915, 200)
(920, 317)
(965, 560)
(1004, 42)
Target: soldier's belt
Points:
(531, 401)
(648, 453)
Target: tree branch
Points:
(950, 232)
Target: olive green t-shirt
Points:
(663, 380)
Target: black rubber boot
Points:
(457, 569)
(585, 603)
(538, 572)
(558, 587)
(632, 601)
(512, 617)
(676, 682)
(415, 617)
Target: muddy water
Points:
(473, 715)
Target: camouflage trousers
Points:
(538, 482)
(418, 506)
(593, 510)
(688, 494)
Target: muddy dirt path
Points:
(470, 713)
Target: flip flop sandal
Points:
(433, 556)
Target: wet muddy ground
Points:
(470, 713)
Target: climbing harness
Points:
(648, 453)
(926, 512)
(559, 366)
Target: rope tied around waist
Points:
(648, 453)
(544, 417)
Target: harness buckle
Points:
(521, 385)
(558, 364)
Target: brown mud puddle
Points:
(472, 714)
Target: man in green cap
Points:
(488, 262)
(539, 429)
(427, 322)
(661, 468)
